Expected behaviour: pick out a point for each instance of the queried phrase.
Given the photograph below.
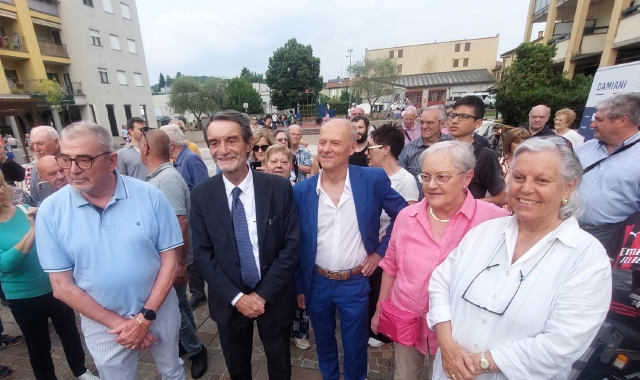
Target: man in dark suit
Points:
(339, 213)
(246, 243)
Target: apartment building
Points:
(93, 48)
(429, 74)
(588, 34)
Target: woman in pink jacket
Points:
(423, 236)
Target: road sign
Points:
(245, 105)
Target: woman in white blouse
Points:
(523, 296)
(562, 123)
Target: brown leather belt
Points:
(339, 274)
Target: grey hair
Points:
(87, 128)
(442, 113)
(48, 130)
(242, 119)
(619, 105)
(175, 134)
(569, 168)
(547, 107)
(411, 108)
(461, 153)
(177, 122)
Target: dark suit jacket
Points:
(216, 254)
(372, 192)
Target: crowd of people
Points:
(474, 265)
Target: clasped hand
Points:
(251, 305)
(134, 335)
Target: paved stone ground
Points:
(304, 362)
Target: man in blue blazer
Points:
(339, 215)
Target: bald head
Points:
(50, 171)
(159, 144)
(45, 141)
(358, 111)
(538, 117)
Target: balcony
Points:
(53, 50)
(43, 6)
(13, 42)
(561, 50)
(23, 86)
(7, 1)
(628, 31)
(73, 88)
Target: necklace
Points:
(436, 218)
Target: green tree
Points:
(532, 80)
(344, 95)
(373, 78)
(168, 81)
(161, 82)
(189, 94)
(250, 76)
(52, 92)
(240, 91)
(178, 75)
(292, 70)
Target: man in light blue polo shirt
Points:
(611, 187)
(109, 245)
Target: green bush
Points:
(339, 106)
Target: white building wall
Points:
(86, 58)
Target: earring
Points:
(564, 201)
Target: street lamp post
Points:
(349, 84)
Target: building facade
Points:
(92, 48)
(588, 34)
(440, 57)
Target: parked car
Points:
(490, 100)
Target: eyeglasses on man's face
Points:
(83, 162)
(282, 139)
(461, 116)
(440, 179)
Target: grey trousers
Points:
(115, 362)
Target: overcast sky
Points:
(214, 37)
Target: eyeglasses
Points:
(558, 140)
(282, 139)
(145, 129)
(262, 148)
(461, 116)
(83, 162)
(440, 179)
(375, 147)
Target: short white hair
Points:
(461, 153)
(177, 122)
(48, 131)
(175, 134)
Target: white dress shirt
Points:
(249, 203)
(340, 245)
(554, 315)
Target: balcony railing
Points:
(13, 42)
(73, 88)
(48, 7)
(7, 1)
(53, 50)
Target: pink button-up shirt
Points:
(413, 255)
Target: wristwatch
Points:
(484, 363)
(148, 314)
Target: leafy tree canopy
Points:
(373, 78)
(292, 70)
(240, 91)
(532, 80)
(250, 76)
(189, 94)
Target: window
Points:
(391, 54)
(132, 46)
(415, 97)
(88, 2)
(400, 53)
(104, 78)
(122, 78)
(457, 48)
(137, 79)
(115, 42)
(467, 46)
(107, 5)
(125, 11)
(398, 69)
(93, 113)
(127, 111)
(456, 62)
(437, 95)
(95, 37)
(465, 62)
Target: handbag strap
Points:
(588, 168)
(22, 208)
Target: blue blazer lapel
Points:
(360, 197)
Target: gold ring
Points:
(453, 377)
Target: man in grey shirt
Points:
(154, 154)
(129, 162)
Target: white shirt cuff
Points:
(233, 301)
(438, 314)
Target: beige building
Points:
(92, 48)
(588, 33)
(474, 54)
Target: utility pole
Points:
(348, 83)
